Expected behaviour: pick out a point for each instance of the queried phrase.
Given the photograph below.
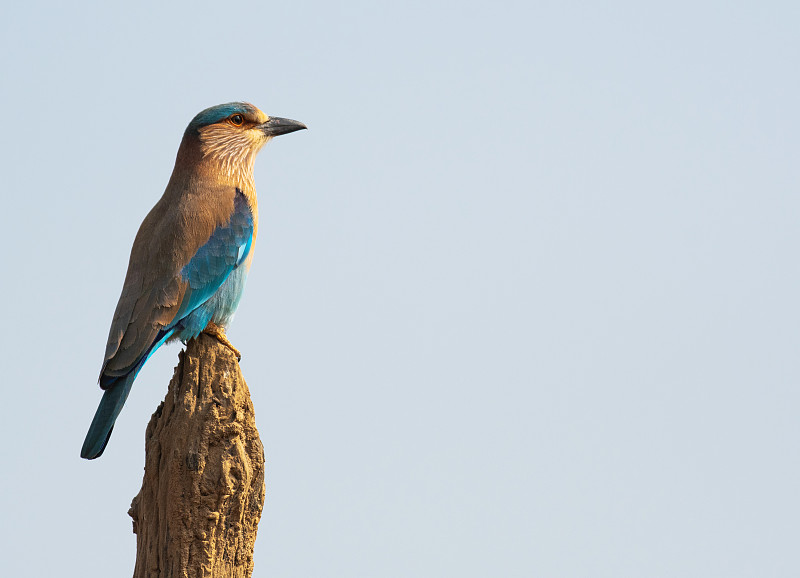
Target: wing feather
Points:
(176, 265)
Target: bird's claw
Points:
(219, 334)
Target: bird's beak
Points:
(276, 126)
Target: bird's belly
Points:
(219, 308)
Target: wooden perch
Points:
(203, 489)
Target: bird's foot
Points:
(218, 333)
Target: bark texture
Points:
(203, 490)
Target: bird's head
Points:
(230, 135)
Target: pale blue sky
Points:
(524, 299)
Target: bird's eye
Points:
(236, 120)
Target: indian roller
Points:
(190, 258)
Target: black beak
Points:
(276, 126)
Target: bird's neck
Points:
(214, 167)
(197, 178)
(232, 170)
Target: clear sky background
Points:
(524, 300)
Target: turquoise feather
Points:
(190, 258)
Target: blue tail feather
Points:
(114, 397)
(105, 416)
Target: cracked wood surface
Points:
(202, 494)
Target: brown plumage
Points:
(190, 258)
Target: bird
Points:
(191, 255)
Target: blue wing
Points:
(226, 249)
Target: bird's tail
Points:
(116, 393)
(105, 416)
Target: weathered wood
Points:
(202, 494)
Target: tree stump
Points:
(202, 494)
